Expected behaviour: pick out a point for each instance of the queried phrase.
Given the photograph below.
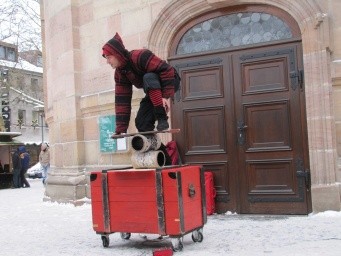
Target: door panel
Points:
(270, 177)
(254, 80)
(203, 83)
(199, 136)
(268, 126)
(222, 179)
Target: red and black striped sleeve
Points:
(123, 95)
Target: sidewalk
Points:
(30, 226)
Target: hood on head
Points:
(116, 47)
(22, 149)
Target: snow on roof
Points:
(29, 99)
(33, 137)
(21, 64)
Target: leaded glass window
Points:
(232, 31)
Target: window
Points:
(34, 82)
(22, 116)
(11, 54)
(36, 120)
(2, 52)
(39, 61)
(20, 82)
(8, 53)
(233, 30)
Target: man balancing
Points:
(146, 71)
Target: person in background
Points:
(44, 160)
(16, 163)
(1, 168)
(25, 163)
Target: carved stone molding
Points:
(221, 3)
(319, 19)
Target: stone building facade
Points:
(79, 84)
(22, 96)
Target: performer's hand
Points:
(166, 104)
(117, 133)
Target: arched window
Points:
(233, 30)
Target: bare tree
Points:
(20, 24)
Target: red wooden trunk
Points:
(168, 201)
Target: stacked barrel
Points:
(146, 153)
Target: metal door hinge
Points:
(307, 178)
(297, 79)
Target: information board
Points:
(107, 125)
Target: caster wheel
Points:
(125, 236)
(105, 241)
(177, 244)
(197, 236)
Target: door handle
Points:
(241, 127)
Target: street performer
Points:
(146, 71)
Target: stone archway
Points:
(320, 118)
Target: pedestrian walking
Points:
(44, 160)
(16, 164)
(25, 163)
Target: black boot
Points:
(162, 124)
(161, 117)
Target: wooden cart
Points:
(168, 201)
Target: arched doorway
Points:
(241, 108)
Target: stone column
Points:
(66, 181)
(320, 113)
(336, 79)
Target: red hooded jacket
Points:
(136, 63)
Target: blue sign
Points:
(107, 126)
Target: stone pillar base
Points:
(67, 188)
(326, 197)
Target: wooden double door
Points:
(242, 116)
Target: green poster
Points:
(107, 127)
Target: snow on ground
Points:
(30, 226)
